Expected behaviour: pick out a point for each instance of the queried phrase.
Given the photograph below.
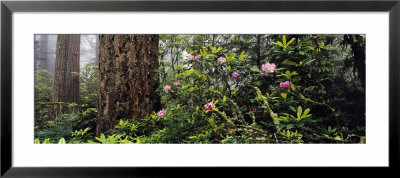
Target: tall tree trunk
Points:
(258, 50)
(66, 77)
(96, 51)
(43, 52)
(127, 67)
(51, 53)
(357, 45)
(36, 52)
(73, 68)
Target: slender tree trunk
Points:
(127, 67)
(258, 50)
(213, 40)
(358, 47)
(66, 77)
(172, 54)
(96, 60)
(43, 52)
(36, 52)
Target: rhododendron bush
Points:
(297, 93)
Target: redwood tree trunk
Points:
(127, 66)
(66, 77)
(73, 68)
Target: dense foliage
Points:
(230, 89)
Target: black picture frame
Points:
(8, 7)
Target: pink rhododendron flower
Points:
(264, 74)
(192, 58)
(197, 56)
(176, 83)
(285, 84)
(316, 63)
(221, 59)
(268, 67)
(254, 110)
(235, 75)
(209, 106)
(161, 113)
(166, 87)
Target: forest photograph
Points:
(199, 89)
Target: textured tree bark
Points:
(66, 77)
(73, 68)
(127, 67)
(59, 86)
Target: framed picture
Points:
(136, 88)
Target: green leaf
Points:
(310, 47)
(299, 111)
(305, 113)
(203, 52)
(242, 56)
(287, 73)
(62, 141)
(211, 56)
(279, 44)
(301, 52)
(284, 95)
(280, 118)
(308, 115)
(307, 61)
(284, 40)
(290, 126)
(102, 138)
(292, 108)
(215, 50)
(290, 63)
(226, 56)
(37, 141)
(291, 41)
(46, 141)
(232, 56)
(338, 138)
(292, 86)
(255, 69)
(362, 140)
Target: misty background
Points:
(45, 51)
